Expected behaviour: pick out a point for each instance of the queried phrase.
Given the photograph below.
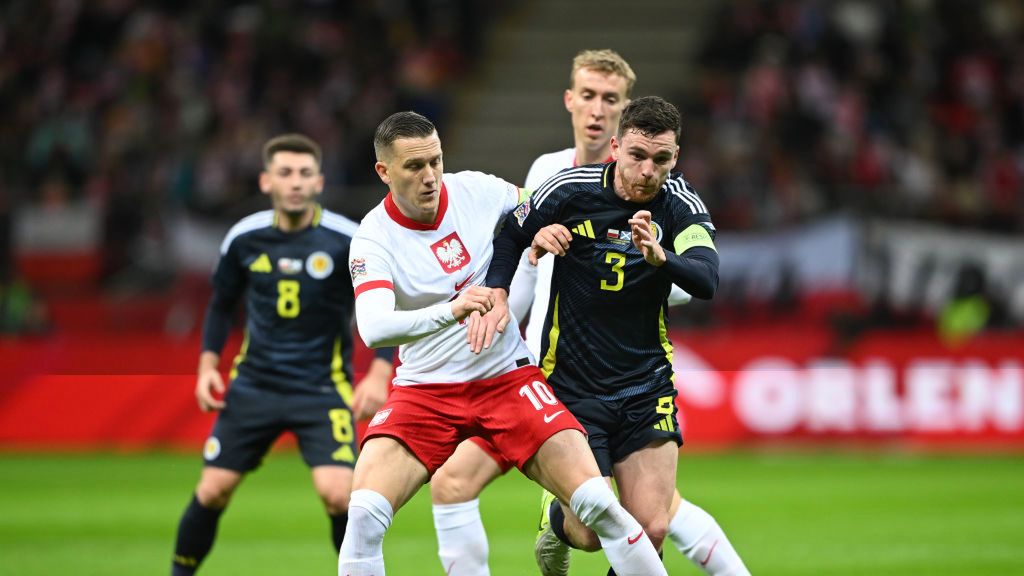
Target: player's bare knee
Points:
(213, 494)
(447, 488)
(335, 501)
(656, 529)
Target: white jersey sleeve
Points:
(377, 320)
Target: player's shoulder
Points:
(245, 226)
(682, 196)
(547, 164)
(374, 228)
(570, 181)
(472, 179)
(479, 187)
(339, 224)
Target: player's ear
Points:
(615, 147)
(319, 184)
(265, 182)
(567, 98)
(382, 172)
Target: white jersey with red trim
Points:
(426, 266)
(544, 167)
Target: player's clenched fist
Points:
(473, 299)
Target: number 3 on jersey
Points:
(287, 298)
(617, 260)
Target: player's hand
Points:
(208, 382)
(553, 238)
(372, 391)
(644, 239)
(481, 329)
(472, 299)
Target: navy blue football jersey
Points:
(299, 301)
(605, 330)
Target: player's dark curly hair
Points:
(650, 115)
(400, 125)
(298, 143)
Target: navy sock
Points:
(338, 523)
(196, 531)
(557, 516)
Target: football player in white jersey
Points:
(600, 85)
(417, 263)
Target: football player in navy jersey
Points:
(294, 369)
(625, 232)
(600, 85)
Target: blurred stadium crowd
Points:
(911, 109)
(801, 108)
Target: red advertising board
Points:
(753, 385)
(736, 387)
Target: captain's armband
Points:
(695, 235)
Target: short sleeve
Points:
(369, 265)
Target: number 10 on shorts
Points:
(538, 392)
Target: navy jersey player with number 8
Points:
(294, 370)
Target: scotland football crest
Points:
(319, 265)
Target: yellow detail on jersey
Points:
(288, 298)
(666, 406)
(665, 343)
(665, 425)
(344, 454)
(344, 434)
(604, 176)
(585, 230)
(524, 195)
(617, 260)
(261, 265)
(548, 365)
(695, 235)
(240, 357)
(341, 383)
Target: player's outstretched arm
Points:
(209, 381)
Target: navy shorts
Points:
(617, 428)
(255, 417)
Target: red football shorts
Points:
(516, 412)
(491, 450)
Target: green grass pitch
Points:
(788, 514)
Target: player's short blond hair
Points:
(606, 61)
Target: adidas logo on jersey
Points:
(585, 230)
(261, 264)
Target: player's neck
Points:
(585, 156)
(287, 222)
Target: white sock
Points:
(362, 552)
(461, 539)
(702, 540)
(625, 543)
